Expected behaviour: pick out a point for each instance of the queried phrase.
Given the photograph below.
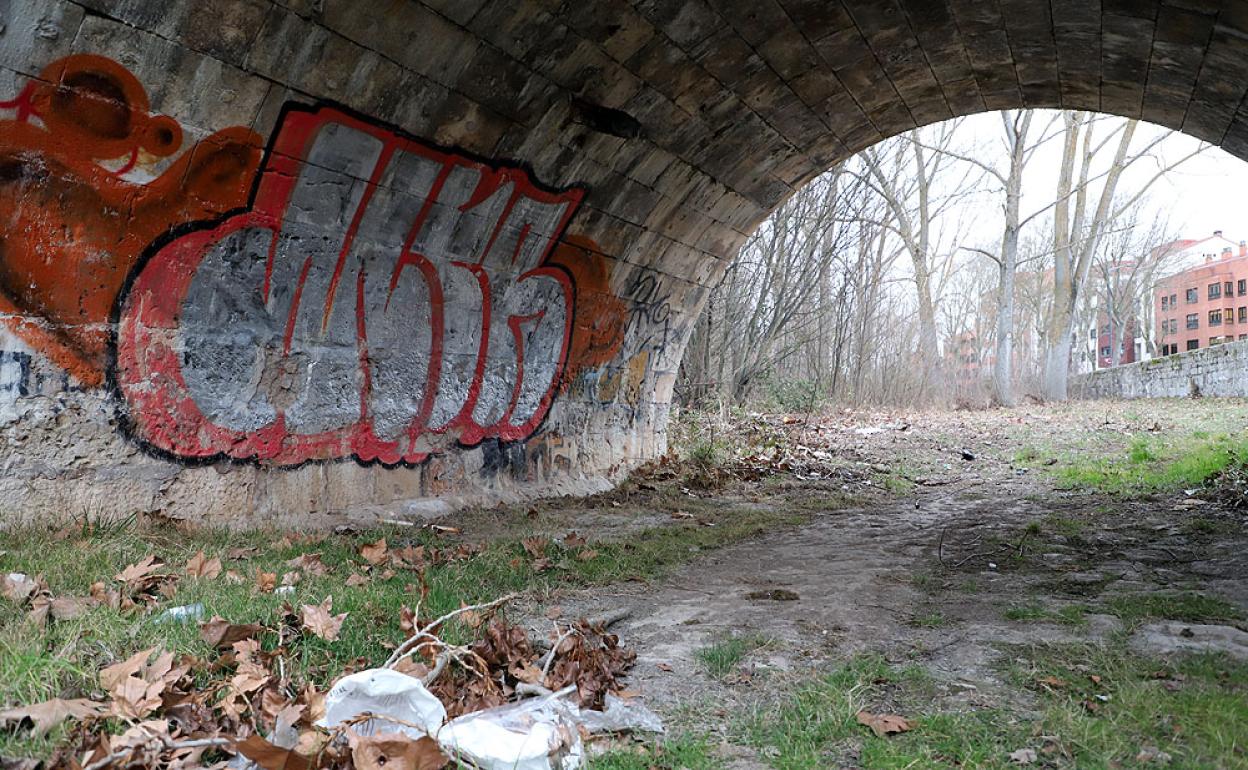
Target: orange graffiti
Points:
(600, 316)
(74, 228)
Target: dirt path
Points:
(884, 579)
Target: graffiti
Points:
(349, 291)
(74, 228)
(649, 319)
(600, 316)
(377, 294)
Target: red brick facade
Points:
(1203, 306)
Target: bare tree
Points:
(1081, 219)
(904, 172)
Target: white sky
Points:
(1205, 194)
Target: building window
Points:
(1215, 317)
(1173, 300)
(1215, 290)
(1193, 321)
(1174, 326)
(1105, 352)
(1192, 297)
(1165, 303)
(1229, 315)
(1243, 314)
(1229, 289)
(1243, 286)
(1193, 344)
(1243, 336)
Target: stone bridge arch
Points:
(289, 258)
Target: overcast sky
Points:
(1205, 194)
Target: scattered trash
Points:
(185, 614)
(384, 692)
(543, 733)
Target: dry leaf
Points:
(310, 563)
(573, 540)
(588, 554)
(1051, 681)
(396, 751)
(356, 580)
(664, 666)
(375, 553)
(317, 619)
(68, 607)
(44, 716)
(291, 578)
(140, 571)
(220, 633)
(554, 612)
(265, 581)
(535, 546)
(198, 566)
(270, 757)
(885, 724)
(241, 553)
(112, 676)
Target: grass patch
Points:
(1104, 705)
(934, 619)
(1070, 614)
(1098, 707)
(685, 752)
(1154, 465)
(723, 656)
(62, 660)
(1188, 607)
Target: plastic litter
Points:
(183, 614)
(386, 692)
(541, 733)
(536, 734)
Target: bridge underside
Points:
(273, 260)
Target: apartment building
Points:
(1204, 305)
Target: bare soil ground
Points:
(974, 553)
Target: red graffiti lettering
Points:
(378, 299)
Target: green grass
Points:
(721, 657)
(1193, 707)
(1188, 607)
(933, 619)
(684, 752)
(1203, 722)
(62, 660)
(1152, 465)
(1070, 614)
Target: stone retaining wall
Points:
(1221, 370)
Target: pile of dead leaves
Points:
(157, 709)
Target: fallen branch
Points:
(167, 744)
(413, 641)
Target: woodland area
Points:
(945, 265)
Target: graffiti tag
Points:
(377, 299)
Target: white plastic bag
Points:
(385, 692)
(536, 734)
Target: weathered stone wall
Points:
(1221, 370)
(279, 259)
